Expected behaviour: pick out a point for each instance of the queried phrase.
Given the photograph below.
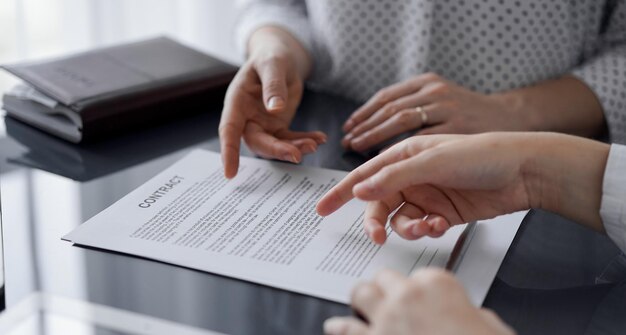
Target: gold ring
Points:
(424, 117)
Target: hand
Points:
(462, 178)
(261, 101)
(429, 302)
(447, 108)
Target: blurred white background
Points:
(33, 29)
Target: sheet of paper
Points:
(260, 226)
(489, 245)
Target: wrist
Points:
(273, 43)
(563, 174)
(565, 105)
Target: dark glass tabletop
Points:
(557, 278)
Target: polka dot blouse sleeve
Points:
(290, 15)
(605, 70)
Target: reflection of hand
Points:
(261, 102)
(448, 109)
(428, 302)
(462, 178)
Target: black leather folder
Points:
(101, 92)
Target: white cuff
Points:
(270, 15)
(613, 207)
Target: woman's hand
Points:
(428, 302)
(430, 104)
(439, 181)
(262, 100)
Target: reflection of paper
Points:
(260, 226)
(42, 313)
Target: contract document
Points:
(260, 226)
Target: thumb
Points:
(273, 77)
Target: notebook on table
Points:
(97, 93)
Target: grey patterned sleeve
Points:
(605, 71)
(290, 15)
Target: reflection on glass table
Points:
(42, 314)
(93, 160)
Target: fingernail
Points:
(275, 103)
(416, 230)
(357, 144)
(294, 159)
(333, 326)
(288, 158)
(439, 223)
(348, 124)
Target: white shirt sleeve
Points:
(290, 15)
(613, 207)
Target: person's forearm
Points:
(564, 175)
(272, 41)
(563, 105)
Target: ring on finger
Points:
(423, 116)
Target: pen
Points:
(460, 247)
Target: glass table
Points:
(557, 278)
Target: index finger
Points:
(230, 142)
(230, 133)
(341, 193)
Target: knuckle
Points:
(233, 89)
(359, 174)
(269, 61)
(430, 76)
(359, 116)
(356, 292)
(276, 149)
(224, 129)
(370, 136)
(404, 117)
(345, 329)
(231, 146)
(406, 149)
(363, 292)
(410, 291)
(436, 278)
(417, 78)
(411, 146)
(274, 85)
(390, 108)
(440, 89)
(382, 96)
(385, 174)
